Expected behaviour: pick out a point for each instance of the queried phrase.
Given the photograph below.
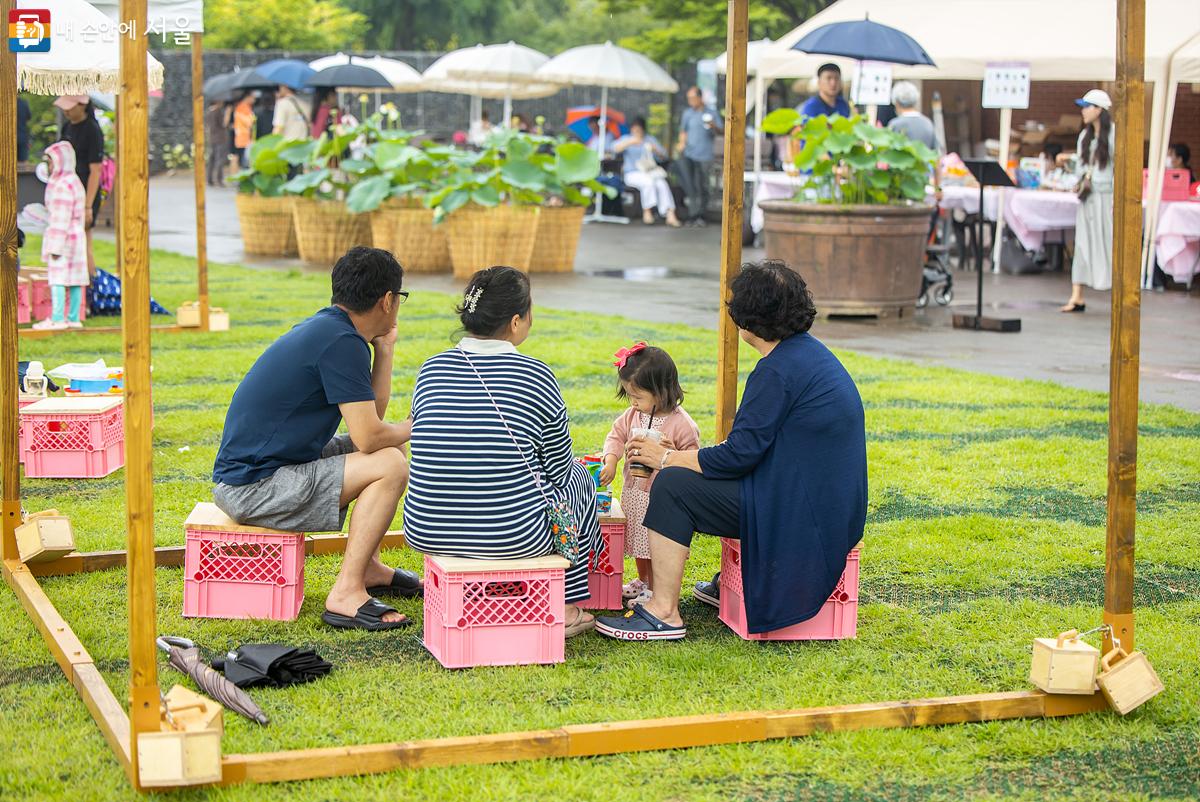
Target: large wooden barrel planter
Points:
(856, 260)
(405, 227)
(325, 230)
(482, 237)
(557, 240)
(267, 225)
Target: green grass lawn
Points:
(986, 529)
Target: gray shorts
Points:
(296, 498)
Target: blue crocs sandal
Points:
(637, 624)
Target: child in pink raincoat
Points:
(64, 245)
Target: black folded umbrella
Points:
(271, 664)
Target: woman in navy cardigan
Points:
(790, 481)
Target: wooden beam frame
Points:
(122, 731)
(733, 211)
(172, 556)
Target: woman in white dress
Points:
(640, 171)
(1092, 264)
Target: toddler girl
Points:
(64, 245)
(648, 378)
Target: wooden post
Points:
(133, 244)
(199, 172)
(10, 508)
(1128, 115)
(731, 211)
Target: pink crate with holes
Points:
(23, 401)
(838, 619)
(24, 301)
(495, 612)
(73, 438)
(235, 571)
(39, 297)
(604, 582)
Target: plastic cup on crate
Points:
(643, 471)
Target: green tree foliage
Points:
(282, 25)
(547, 25)
(686, 30)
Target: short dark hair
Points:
(1183, 152)
(640, 122)
(828, 67)
(694, 88)
(491, 299)
(771, 301)
(652, 370)
(364, 275)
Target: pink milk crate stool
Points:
(23, 401)
(24, 300)
(838, 619)
(235, 571)
(605, 580)
(495, 612)
(73, 438)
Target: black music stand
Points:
(989, 174)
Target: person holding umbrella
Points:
(828, 100)
(292, 114)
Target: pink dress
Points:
(65, 235)
(635, 495)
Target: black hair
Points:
(493, 296)
(652, 370)
(1183, 152)
(828, 67)
(639, 122)
(1085, 148)
(771, 301)
(364, 275)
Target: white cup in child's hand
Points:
(636, 469)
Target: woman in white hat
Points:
(1092, 265)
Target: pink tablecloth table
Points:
(1177, 240)
(775, 185)
(1029, 213)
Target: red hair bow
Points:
(624, 354)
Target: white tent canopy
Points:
(754, 54)
(78, 62)
(1061, 40)
(182, 16)
(510, 64)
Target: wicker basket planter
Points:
(267, 227)
(482, 237)
(557, 239)
(325, 230)
(406, 229)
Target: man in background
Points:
(697, 127)
(828, 100)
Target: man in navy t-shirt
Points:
(828, 100)
(282, 464)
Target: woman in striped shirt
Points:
(486, 418)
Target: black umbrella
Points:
(864, 40)
(185, 657)
(271, 664)
(219, 87)
(251, 79)
(349, 76)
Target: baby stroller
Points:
(935, 275)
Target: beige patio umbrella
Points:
(606, 66)
(510, 64)
(75, 64)
(437, 78)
